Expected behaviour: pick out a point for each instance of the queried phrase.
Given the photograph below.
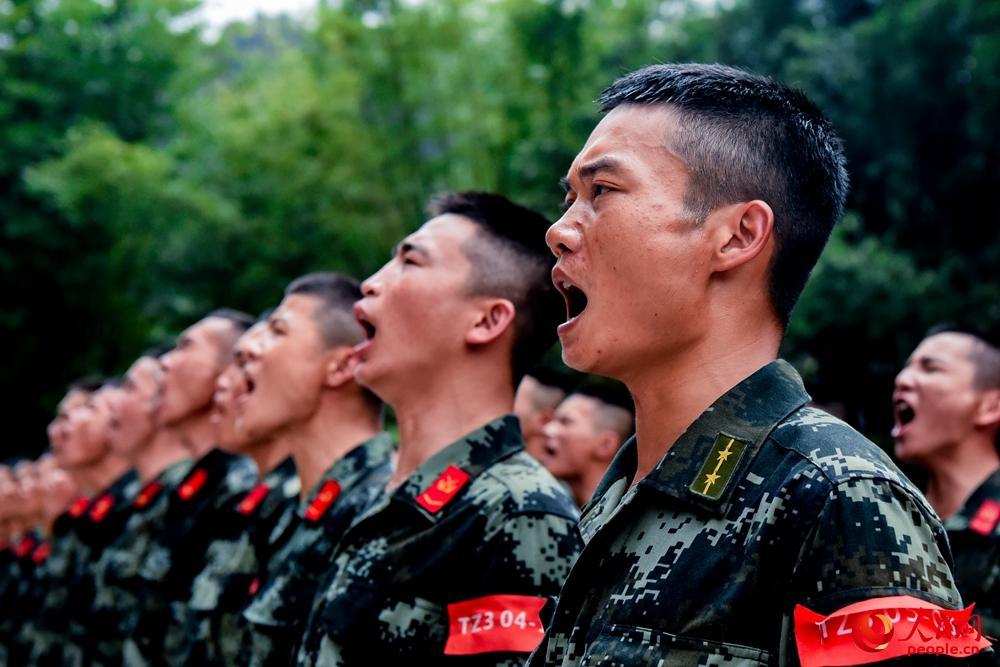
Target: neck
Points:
(98, 476)
(438, 413)
(342, 422)
(958, 471)
(195, 432)
(583, 487)
(671, 395)
(269, 454)
(164, 449)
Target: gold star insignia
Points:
(710, 479)
(724, 454)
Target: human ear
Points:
(494, 319)
(743, 232)
(988, 411)
(339, 368)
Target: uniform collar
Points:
(988, 490)
(748, 412)
(472, 454)
(353, 465)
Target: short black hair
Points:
(241, 321)
(985, 352)
(336, 294)
(616, 404)
(87, 384)
(745, 136)
(156, 351)
(510, 260)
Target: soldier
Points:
(303, 387)
(59, 635)
(534, 404)
(694, 214)
(947, 411)
(161, 461)
(587, 430)
(246, 532)
(470, 538)
(184, 409)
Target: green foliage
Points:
(147, 176)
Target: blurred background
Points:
(161, 158)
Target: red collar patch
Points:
(148, 493)
(321, 503)
(78, 507)
(444, 488)
(101, 507)
(24, 546)
(192, 485)
(41, 552)
(252, 499)
(986, 518)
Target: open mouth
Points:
(368, 327)
(903, 414)
(575, 298)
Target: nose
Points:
(166, 361)
(563, 236)
(550, 428)
(372, 285)
(904, 379)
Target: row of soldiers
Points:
(244, 506)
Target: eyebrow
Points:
(588, 170)
(409, 246)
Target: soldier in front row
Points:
(947, 411)
(695, 212)
(303, 387)
(471, 537)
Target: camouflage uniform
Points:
(250, 530)
(480, 519)
(274, 620)
(175, 555)
(974, 533)
(762, 504)
(66, 612)
(117, 581)
(21, 590)
(54, 575)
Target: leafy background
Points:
(148, 174)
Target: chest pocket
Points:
(372, 620)
(624, 645)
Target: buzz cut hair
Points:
(336, 294)
(984, 354)
(744, 136)
(510, 260)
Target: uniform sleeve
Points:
(531, 554)
(872, 539)
(527, 557)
